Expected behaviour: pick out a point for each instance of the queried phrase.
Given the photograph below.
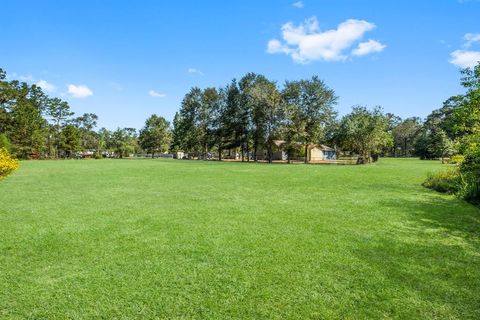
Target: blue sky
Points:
(125, 60)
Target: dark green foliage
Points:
(364, 132)
(4, 143)
(470, 169)
(188, 122)
(86, 123)
(155, 135)
(25, 126)
(123, 142)
(249, 115)
(70, 140)
(432, 142)
(34, 123)
(268, 112)
(229, 126)
(309, 105)
(404, 135)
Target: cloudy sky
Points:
(125, 60)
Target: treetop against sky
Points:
(126, 60)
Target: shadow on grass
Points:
(455, 216)
(432, 258)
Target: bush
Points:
(7, 163)
(464, 180)
(445, 181)
(97, 156)
(471, 190)
(458, 159)
(470, 169)
(4, 143)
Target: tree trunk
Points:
(306, 153)
(153, 154)
(219, 154)
(269, 150)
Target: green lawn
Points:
(192, 239)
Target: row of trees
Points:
(245, 116)
(32, 125)
(252, 113)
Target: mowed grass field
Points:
(206, 240)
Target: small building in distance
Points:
(319, 152)
(316, 152)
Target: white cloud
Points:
(195, 71)
(298, 4)
(306, 42)
(155, 94)
(368, 47)
(471, 38)
(275, 46)
(79, 91)
(48, 87)
(465, 58)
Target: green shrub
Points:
(97, 156)
(449, 181)
(470, 170)
(464, 180)
(4, 143)
(471, 190)
(457, 159)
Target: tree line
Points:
(34, 125)
(243, 117)
(250, 114)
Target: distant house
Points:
(316, 152)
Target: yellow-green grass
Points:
(207, 240)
